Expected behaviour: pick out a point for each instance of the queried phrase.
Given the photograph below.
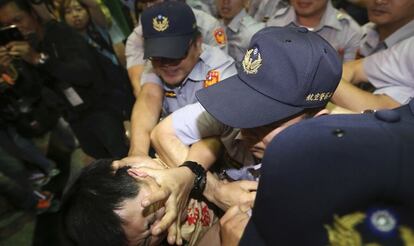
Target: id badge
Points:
(72, 96)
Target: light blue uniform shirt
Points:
(370, 42)
(338, 28)
(239, 32)
(391, 71)
(213, 62)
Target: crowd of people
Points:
(210, 122)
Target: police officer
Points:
(389, 71)
(181, 65)
(391, 21)
(240, 27)
(338, 28)
(336, 180)
(210, 28)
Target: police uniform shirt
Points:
(338, 28)
(239, 32)
(268, 8)
(370, 42)
(207, 25)
(193, 123)
(391, 71)
(214, 65)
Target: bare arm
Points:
(348, 96)
(353, 72)
(134, 73)
(145, 116)
(351, 97)
(173, 152)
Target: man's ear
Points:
(199, 42)
(322, 112)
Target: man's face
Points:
(257, 139)
(174, 71)
(386, 12)
(138, 221)
(10, 14)
(76, 15)
(228, 9)
(309, 8)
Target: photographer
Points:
(59, 53)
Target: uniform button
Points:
(338, 132)
(302, 30)
(388, 116)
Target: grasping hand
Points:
(175, 187)
(233, 223)
(229, 194)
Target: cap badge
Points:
(383, 221)
(160, 23)
(252, 61)
(344, 228)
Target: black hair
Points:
(21, 4)
(88, 210)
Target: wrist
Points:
(199, 183)
(212, 186)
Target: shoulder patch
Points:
(213, 77)
(220, 36)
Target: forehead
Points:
(72, 3)
(134, 216)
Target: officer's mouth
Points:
(170, 72)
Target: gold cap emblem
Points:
(160, 23)
(251, 66)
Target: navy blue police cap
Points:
(284, 71)
(168, 29)
(338, 180)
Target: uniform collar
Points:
(235, 23)
(371, 37)
(402, 33)
(202, 67)
(331, 17)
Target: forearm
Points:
(167, 145)
(355, 99)
(212, 186)
(134, 74)
(353, 72)
(145, 116)
(205, 152)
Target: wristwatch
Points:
(199, 180)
